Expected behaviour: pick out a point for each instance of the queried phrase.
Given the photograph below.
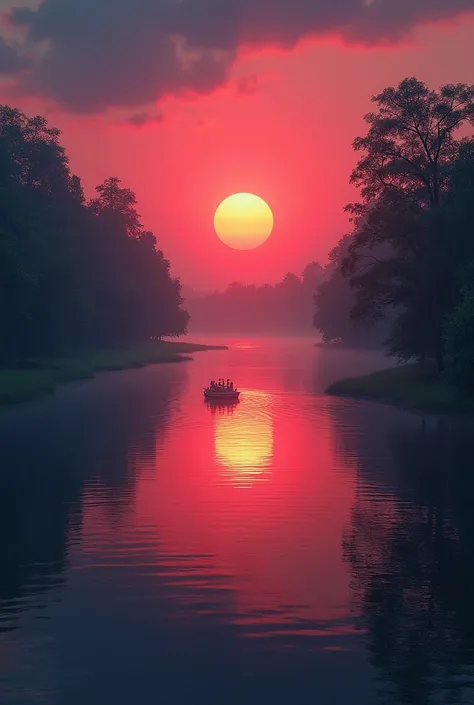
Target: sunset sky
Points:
(188, 102)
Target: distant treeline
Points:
(73, 273)
(283, 308)
(321, 298)
(410, 257)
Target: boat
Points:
(221, 391)
(226, 395)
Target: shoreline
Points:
(412, 387)
(40, 377)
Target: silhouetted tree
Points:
(460, 343)
(313, 275)
(73, 274)
(405, 176)
(335, 298)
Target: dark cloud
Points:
(103, 53)
(145, 118)
(388, 21)
(11, 61)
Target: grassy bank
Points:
(411, 386)
(38, 377)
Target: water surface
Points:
(292, 549)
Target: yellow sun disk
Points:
(243, 221)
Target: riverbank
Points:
(412, 386)
(36, 378)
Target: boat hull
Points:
(221, 396)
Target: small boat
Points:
(225, 392)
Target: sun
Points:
(243, 221)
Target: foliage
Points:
(73, 273)
(402, 255)
(415, 386)
(334, 300)
(410, 144)
(460, 343)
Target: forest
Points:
(75, 274)
(409, 260)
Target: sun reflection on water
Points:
(243, 438)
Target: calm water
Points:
(293, 549)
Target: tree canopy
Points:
(411, 237)
(73, 273)
(335, 298)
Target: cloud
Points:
(250, 84)
(145, 118)
(95, 54)
(11, 60)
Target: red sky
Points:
(289, 141)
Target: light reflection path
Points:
(243, 437)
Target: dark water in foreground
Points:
(295, 549)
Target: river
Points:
(294, 549)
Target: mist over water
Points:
(292, 548)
